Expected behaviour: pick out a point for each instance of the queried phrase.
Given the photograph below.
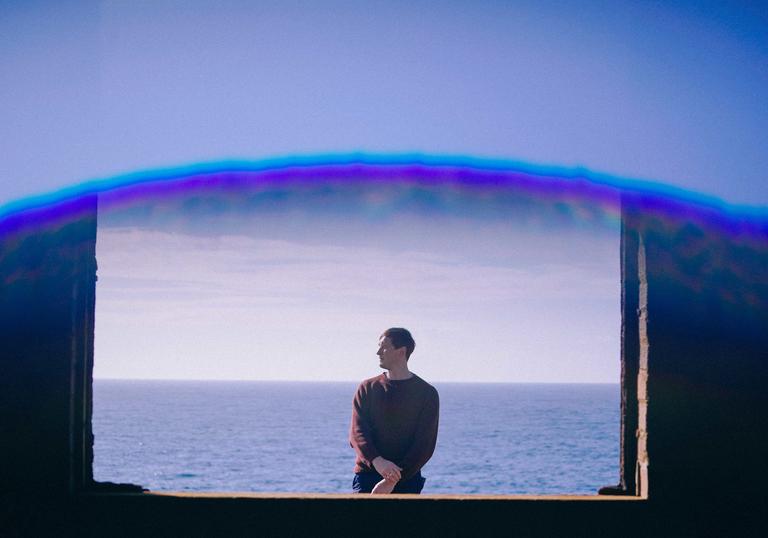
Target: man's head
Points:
(395, 346)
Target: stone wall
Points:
(46, 328)
(694, 367)
(704, 353)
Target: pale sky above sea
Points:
(487, 301)
(672, 92)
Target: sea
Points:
(270, 436)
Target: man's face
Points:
(388, 355)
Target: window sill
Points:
(359, 497)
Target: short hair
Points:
(401, 338)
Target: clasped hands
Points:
(390, 473)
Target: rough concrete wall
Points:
(696, 320)
(46, 316)
(629, 359)
(706, 359)
(640, 444)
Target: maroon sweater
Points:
(396, 420)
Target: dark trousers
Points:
(364, 483)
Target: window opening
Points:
(229, 343)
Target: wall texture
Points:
(695, 368)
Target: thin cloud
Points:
(206, 306)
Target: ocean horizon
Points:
(292, 436)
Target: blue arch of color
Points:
(758, 215)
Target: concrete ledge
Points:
(376, 498)
(292, 514)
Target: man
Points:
(394, 422)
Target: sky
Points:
(672, 92)
(299, 294)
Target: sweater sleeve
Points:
(424, 441)
(360, 435)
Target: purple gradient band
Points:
(466, 182)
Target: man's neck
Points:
(399, 374)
